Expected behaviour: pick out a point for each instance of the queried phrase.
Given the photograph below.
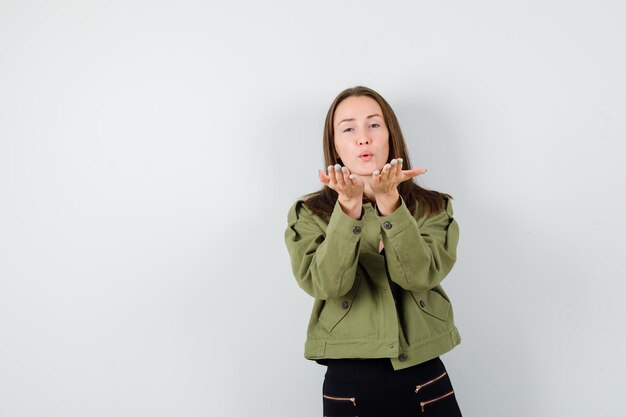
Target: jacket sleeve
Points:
(419, 257)
(323, 260)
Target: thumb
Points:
(410, 173)
(356, 180)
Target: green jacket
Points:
(370, 304)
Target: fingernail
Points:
(337, 167)
(400, 160)
(343, 169)
(387, 167)
(377, 172)
(393, 162)
(330, 168)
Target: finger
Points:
(324, 179)
(375, 177)
(400, 173)
(332, 183)
(331, 174)
(355, 180)
(339, 176)
(394, 172)
(385, 172)
(346, 176)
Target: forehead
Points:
(356, 108)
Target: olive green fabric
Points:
(355, 314)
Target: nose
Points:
(364, 140)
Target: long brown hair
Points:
(322, 202)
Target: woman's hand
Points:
(385, 183)
(391, 176)
(349, 188)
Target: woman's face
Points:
(361, 136)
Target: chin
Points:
(368, 170)
(364, 169)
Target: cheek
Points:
(385, 146)
(340, 149)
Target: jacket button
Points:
(344, 305)
(422, 303)
(403, 357)
(356, 230)
(387, 225)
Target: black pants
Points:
(371, 388)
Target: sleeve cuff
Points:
(343, 224)
(396, 221)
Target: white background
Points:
(149, 151)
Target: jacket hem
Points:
(387, 348)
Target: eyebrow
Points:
(351, 119)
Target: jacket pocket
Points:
(341, 399)
(335, 309)
(425, 404)
(427, 383)
(433, 303)
(437, 393)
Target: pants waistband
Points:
(371, 369)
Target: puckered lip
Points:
(365, 153)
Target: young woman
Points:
(372, 248)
